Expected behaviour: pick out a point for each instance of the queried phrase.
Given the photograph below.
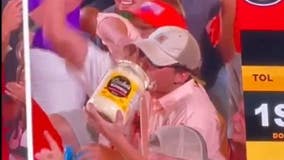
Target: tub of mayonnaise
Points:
(120, 90)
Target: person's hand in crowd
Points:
(117, 133)
(53, 154)
(12, 16)
(16, 90)
(16, 136)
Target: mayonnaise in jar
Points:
(120, 89)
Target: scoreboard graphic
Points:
(261, 33)
(263, 84)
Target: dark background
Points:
(263, 48)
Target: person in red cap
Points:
(133, 20)
(159, 13)
(155, 13)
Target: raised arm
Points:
(11, 20)
(66, 41)
(226, 44)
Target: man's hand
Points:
(12, 16)
(16, 91)
(117, 133)
(53, 154)
(112, 131)
(15, 138)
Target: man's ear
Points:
(181, 77)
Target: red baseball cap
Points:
(158, 13)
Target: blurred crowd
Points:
(186, 47)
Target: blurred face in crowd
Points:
(127, 5)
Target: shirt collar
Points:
(178, 96)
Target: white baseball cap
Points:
(170, 45)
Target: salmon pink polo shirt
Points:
(189, 105)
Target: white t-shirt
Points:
(97, 63)
(52, 86)
(58, 86)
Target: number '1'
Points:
(263, 110)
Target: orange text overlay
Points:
(263, 78)
(278, 136)
(265, 150)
